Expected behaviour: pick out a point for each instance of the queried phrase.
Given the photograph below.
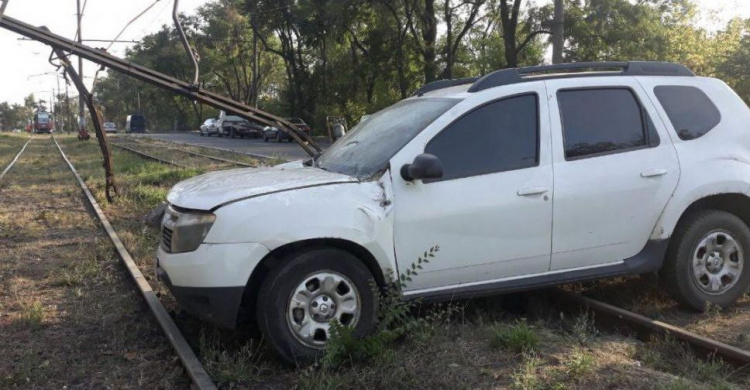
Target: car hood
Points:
(211, 190)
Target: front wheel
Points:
(705, 263)
(299, 299)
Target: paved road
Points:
(285, 150)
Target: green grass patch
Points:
(517, 337)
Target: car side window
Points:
(691, 112)
(499, 136)
(602, 121)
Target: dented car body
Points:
(523, 184)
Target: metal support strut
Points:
(96, 120)
(162, 81)
(186, 43)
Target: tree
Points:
(558, 32)
(509, 19)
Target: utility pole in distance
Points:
(81, 119)
(558, 33)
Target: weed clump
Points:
(32, 314)
(396, 321)
(518, 337)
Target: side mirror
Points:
(425, 166)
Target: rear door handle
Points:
(532, 191)
(654, 172)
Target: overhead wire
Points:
(113, 41)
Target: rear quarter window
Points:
(691, 112)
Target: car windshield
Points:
(109, 124)
(367, 148)
(296, 121)
(233, 118)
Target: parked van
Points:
(135, 124)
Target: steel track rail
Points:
(645, 328)
(198, 154)
(254, 155)
(189, 360)
(148, 156)
(13, 162)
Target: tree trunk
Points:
(429, 37)
(509, 19)
(558, 33)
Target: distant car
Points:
(110, 127)
(210, 126)
(271, 132)
(300, 124)
(135, 124)
(235, 126)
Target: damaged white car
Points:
(523, 178)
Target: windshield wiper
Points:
(313, 162)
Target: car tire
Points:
(327, 275)
(265, 139)
(201, 134)
(231, 133)
(701, 269)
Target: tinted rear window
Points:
(604, 120)
(691, 112)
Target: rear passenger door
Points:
(614, 170)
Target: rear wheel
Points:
(299, 299)
(705, 263)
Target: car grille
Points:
(166, 239)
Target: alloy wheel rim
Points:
(319, 299)
(717, 261)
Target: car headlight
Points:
(184, 231)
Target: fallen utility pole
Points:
(189, 90)
(81, 121)
(96, 120)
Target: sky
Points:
(103, 19)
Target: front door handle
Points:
(529, 191)
(654, 172)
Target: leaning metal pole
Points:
(96, 120)
(186, 43)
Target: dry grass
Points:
(485, 347)
(644, 295)
(69, 314)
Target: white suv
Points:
(523, 178)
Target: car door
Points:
(615, 169)
(491, 212)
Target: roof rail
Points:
(440, 84)
(630, 68)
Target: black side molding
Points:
(649, 259)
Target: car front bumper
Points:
(209, 282)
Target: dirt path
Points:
(69, 314)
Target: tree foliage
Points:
(317, 58)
